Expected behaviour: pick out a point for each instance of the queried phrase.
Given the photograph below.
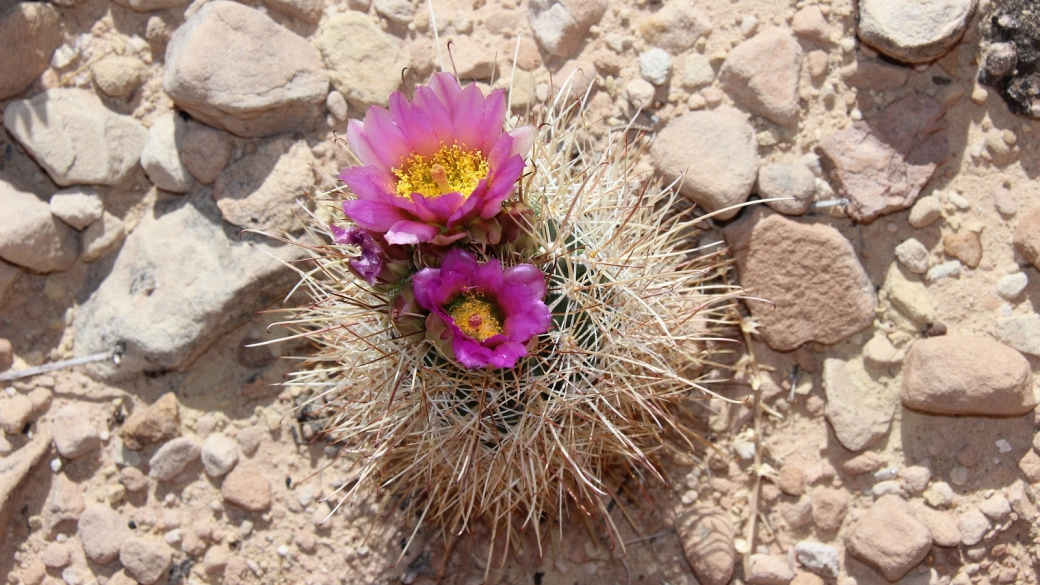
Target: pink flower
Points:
(487, 314)
(434, 165)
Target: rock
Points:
(102, 532)
(75, 137)
(715, 152)
(472, 59)
(246, 487)
(939, 495)
(1004, 201)
(964, 246)
(881, 165)
(792, 181)
(911, 32)
(219, 455)
(559, 27)
(941, 525)
(996, 507)
(75, 434)
(396, 11)
(216, 559)
(797, 514)
(336, 104)
(168, 311)
(14, 467)
(14, 413)
(360, 57)
(973, 376)
(150, 5)
(675, 27)
(308, 11)
(916, 477)
(1030, 466)
(6, 356)
(859, 408)
(880, 353)
(268, 80)
(655, 66)
(119, 76)
(1021, 332)
(1021, 502)
(889, 538)
(640, 93)
(171, 459)
(944, 270)
(761, 74)
(237, 572)
(909, 296)
(30, 236)
(249, 440)
(31, 32)
(973, 525)
(259, 191)
(819, 63)
(706, 534)
(913, 256)
(810, 23)
(102, 237)
(792, 480)
(818, 558)
(694, 71)
(1012, 285)
(769, 570)
(875, 75)
(1027, 236)
(78, 207)
(867, 462)
(829, 506)
(161, 155)
(9, 274)
(152, 424)
(811, 273)
(146, 559)
(925, 212)
(64, 504)
(132, 479)
(57, 555)
(576, 77)
(205, 152)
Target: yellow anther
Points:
(451, 169)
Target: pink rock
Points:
(889, 538)
(817, 288)
(1027, 236)
(973, 376)
(882, 165)
(762, 75)
(865, 74)
(829, 507)
(247, 488)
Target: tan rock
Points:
(792, 480)
(248, 488)
(829, 506)
(889, 538)
(964, 246)
(154, 423)
(1027, 236)
(762, 75)
(706, 534)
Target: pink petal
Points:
(447, 89)
(377, 216)
(469, 118)
(488, 277)
(494, 117)
(369, 183)
(408, 232)
(385, 138)
(360, 147)
(523, 139)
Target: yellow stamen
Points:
(449, 170)
(476, 315)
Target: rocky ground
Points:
(894, 361)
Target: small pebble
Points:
(913, 255)
(959, 475)
(1012, 285)
(1003, 446)
(886, 474)
(944, 270)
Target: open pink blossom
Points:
(488, 314)
(434, 165)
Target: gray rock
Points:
(78, 206)
(75, 137)
(268, 80)
(336, 104)
(102, 532)
(973, 525)
(172, 458)
(913, 32)
(859, 408)
(655, 66)
(146, 559)
(259, 191)
(219, 455)
(118, 76)
(31, 32)
(359, 57)
(161, 157)
(889, 538)
(205, 152)
(715, 152)
(996, 507)
(944, 270)
(817, 557)
(102, 238)
(560, 27)
(913, 256)
(1012, 285)
(150, 5)
(1021, 332)
(168, 310)
(793, 181)
(75, 434)
(308, 11)
(30, 236)
(761, 74)
(881, 165)
(396, 11)
(675, 27)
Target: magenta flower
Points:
(378, 263)
(434, 165)
(488, 315)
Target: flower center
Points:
(476, 315)
(449, 170)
